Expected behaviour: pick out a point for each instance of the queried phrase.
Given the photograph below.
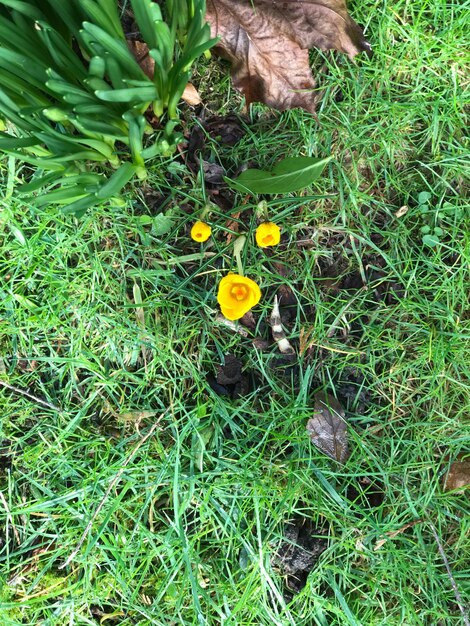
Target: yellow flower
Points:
(237, 295)
(268, 234)
(200, 231)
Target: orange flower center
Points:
(198, 235)
(268, 239)
(239, 292)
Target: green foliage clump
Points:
(73, 93)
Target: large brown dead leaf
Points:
(267, 42)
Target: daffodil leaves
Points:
(291, 174)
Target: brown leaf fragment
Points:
(327, 428)
(458, 476)
(267, 42)
(394, 533)
(141, 54)
(233, 225)
(191, 95)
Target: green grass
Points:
(188, 531)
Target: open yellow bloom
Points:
(268, 234)
(237, 295)
(200, 231)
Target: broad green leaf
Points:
(105, 16)
(89, 125)
(291, 174)
(145, 220)
(161, 224)
(56, 114)
(431, 240)
(116, 48)
(147, 13)
(63, 55)
(26, 8)
(40, 162)
(25, 302)
(83, 180)
(62, 195)
(40, 181)
(18, 234)
(117, 181)
(97, 67)
(139, 94)
(424, 197)
(8, 142)
(79, 207)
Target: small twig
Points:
(23, 392)
(458, 597)
(112, 484)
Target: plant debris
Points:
(458, 476)
(267, 42)
(278, 333)
(395, 533)
(327, 428)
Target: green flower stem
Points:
(239, 264)
(238, 246)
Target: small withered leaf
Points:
(267, 42)
(327, 428)
(458, 476)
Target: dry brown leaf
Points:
(327, 428)
(232, 225)
(141, 54)
(191, 95)
(267, 42)
(458, 476)
(394, 533)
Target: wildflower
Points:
(237, 295)
(268, 234)
(200, 231)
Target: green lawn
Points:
(112, 335)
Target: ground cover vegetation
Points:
(302, 459)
